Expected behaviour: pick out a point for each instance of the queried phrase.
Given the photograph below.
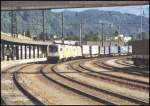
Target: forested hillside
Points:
(127, 24)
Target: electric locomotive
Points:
(62, 52)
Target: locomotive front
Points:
(52, 53)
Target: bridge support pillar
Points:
(17, 52)
(29, 51)
(25, 50)
(12, 55)
(5, 46)
(109, 50)
(38, 52)
(43, 51)
(119, 50)
(90, 51)
(104, 50)
(46, 51)
(128, 50)
(33, 51)
(8, 55)
(2, 52)
(99, 51)
(21, 51)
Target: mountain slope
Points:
(32, 20)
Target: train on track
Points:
(63, 52)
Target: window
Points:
(53, 48)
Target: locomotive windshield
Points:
(53, 48)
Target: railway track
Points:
(125, 70)
(142, 84)
(123, 62)
(87, 87)
(120, 79)
(101, 76)
(129, 70)
(3, 101)
(133, 68)
(61, 88)
(25, 92)
(64, 78)
(17, 83)
(59, 82)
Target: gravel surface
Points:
(106, 86)
(51, 92)
(110, 72)
(10, 92)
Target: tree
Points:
(43, 36)
(116, 33)
(28, 33)
(71, 37)
(23, 32)
(35, 38)
(47, 36)
(70, 33)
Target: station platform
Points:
(7, 38)
(8, 64)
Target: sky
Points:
(137, 10)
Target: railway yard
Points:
(75, 53)
(91, 81)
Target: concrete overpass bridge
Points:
(16, 49)
(24, 5)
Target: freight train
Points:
(63, 52)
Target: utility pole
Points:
(141, 24)
(13, 24)
(118, 29)
(81, 33)
(81, 26)
(62, 38)
(43, 25)
(97, 33)
(118, 34)
(110, 33)
(118, 41)
(102, 34)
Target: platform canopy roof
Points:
(23, 5)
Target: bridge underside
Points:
(21, 5)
